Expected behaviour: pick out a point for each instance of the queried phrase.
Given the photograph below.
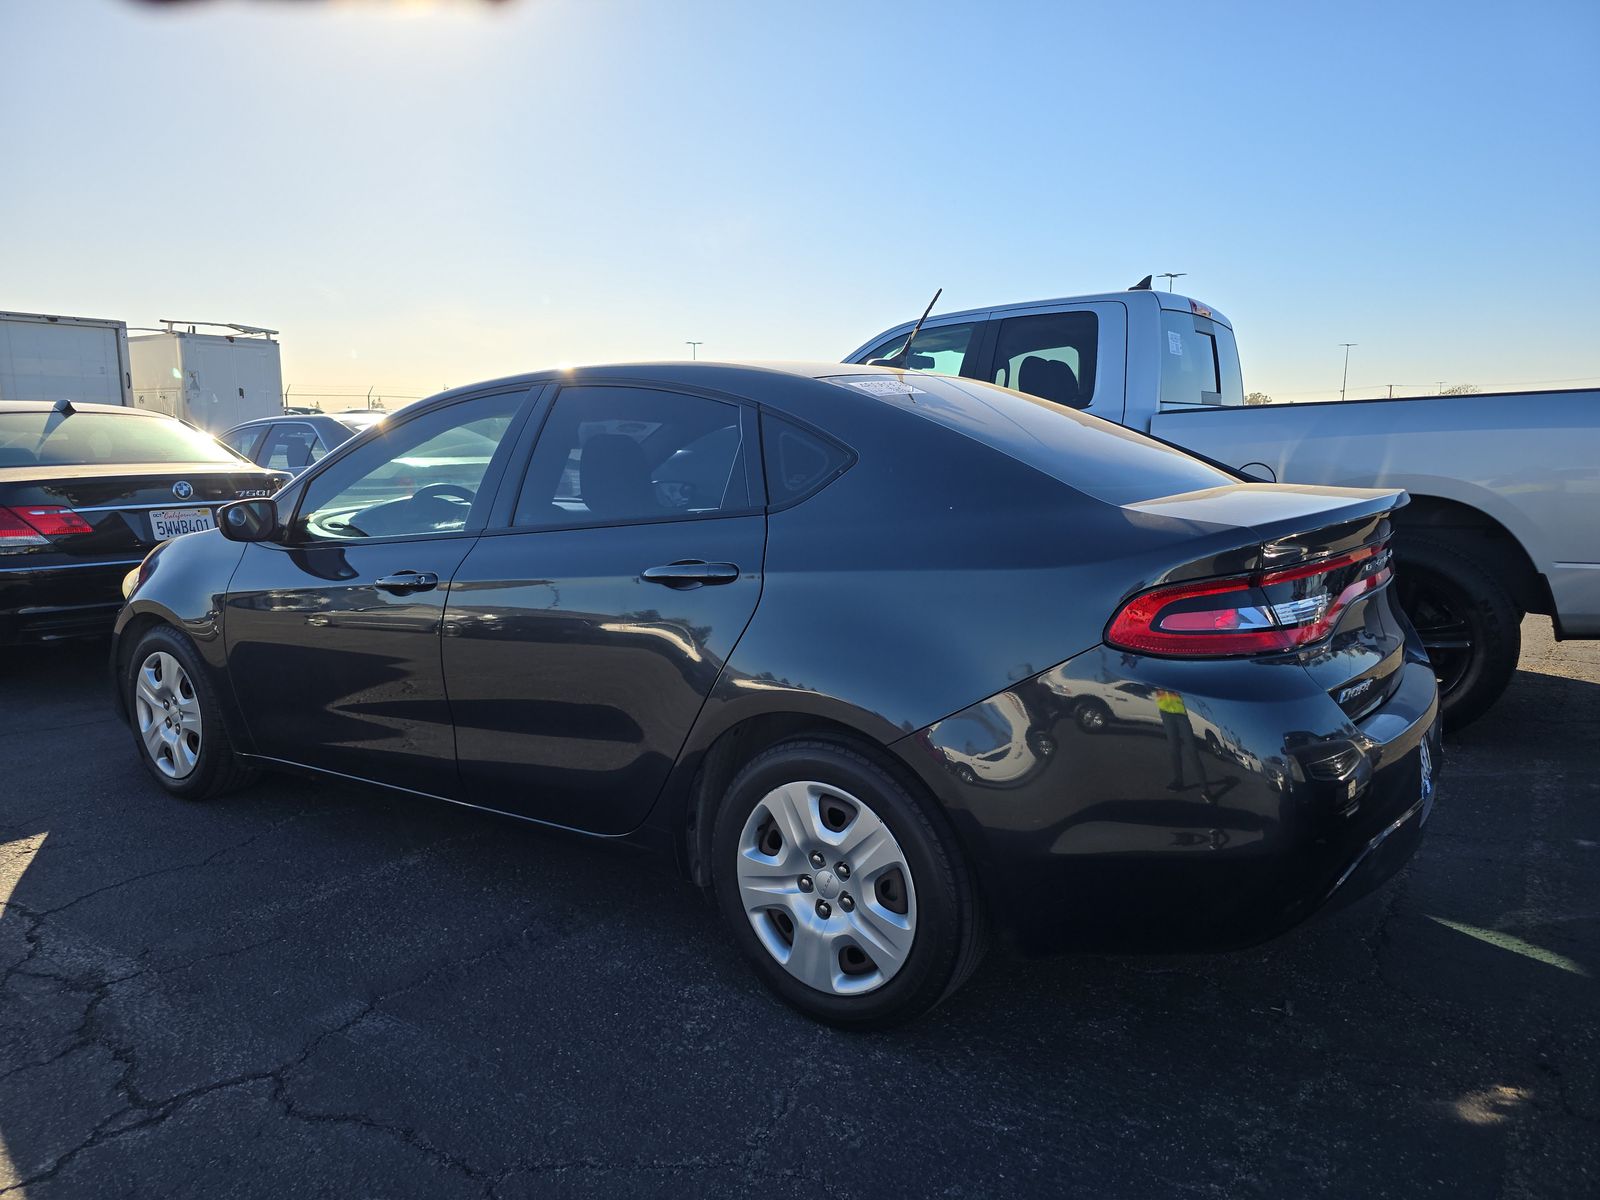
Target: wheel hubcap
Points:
(827, 888)
(168, 712)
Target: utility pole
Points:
(694, 349)
(1169, 276)
(1346, 378)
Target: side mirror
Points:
(253, 520)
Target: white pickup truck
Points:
(1504, 516)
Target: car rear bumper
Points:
(48, 601)
(1203, 827)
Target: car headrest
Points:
(1049, 380)
(614, 477)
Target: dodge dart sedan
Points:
(827, 636)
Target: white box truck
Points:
(49, 358)
(213, 380)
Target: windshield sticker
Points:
(1175, 342)
(885, 387)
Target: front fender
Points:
(183, 585)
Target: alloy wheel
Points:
(827, 888)
(168, 711)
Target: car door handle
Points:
(689, 573)
(407, 581)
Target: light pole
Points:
(1346, 378)
(694, 349)
(1169, 276)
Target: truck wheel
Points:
(1466, 620)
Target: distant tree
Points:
(1257, 398)
(1460, 389)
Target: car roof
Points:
(734, 377)
(44, 406)
(286, 418)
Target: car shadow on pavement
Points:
(314, 986)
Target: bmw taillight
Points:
(1263, 613)
(35, 524)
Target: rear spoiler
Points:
(1283, 522)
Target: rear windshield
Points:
(1199, 362)
(1106, 461)
(52, 439)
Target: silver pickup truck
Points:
(1504, 516)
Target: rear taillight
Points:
(35, 524)
(1264, 613)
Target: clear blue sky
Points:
(419, 194)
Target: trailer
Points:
(212, 380)
(50, 358)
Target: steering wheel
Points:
(444, 491)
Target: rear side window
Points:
(615, 455)
(1199, 362)
(245, 440)
(798, 462)
(1050, 355)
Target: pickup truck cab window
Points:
(1199, 362)
(939, 349)
(1049, 355)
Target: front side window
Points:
(941, 350)
(420, 477)
(1049, 355)
(292, 447)
(614, 455)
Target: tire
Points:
(186, 749)
(943, 924)
(1451, 599)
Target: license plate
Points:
(172, 522)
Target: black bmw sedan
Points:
(827, 635)
(85, 491)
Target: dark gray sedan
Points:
(826, 636)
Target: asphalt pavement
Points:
(314, 989)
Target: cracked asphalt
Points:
(313, 989)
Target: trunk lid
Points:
(122, 503)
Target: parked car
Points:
(767, 620)
(85, 491)
(1502, 486)
(292, 441)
